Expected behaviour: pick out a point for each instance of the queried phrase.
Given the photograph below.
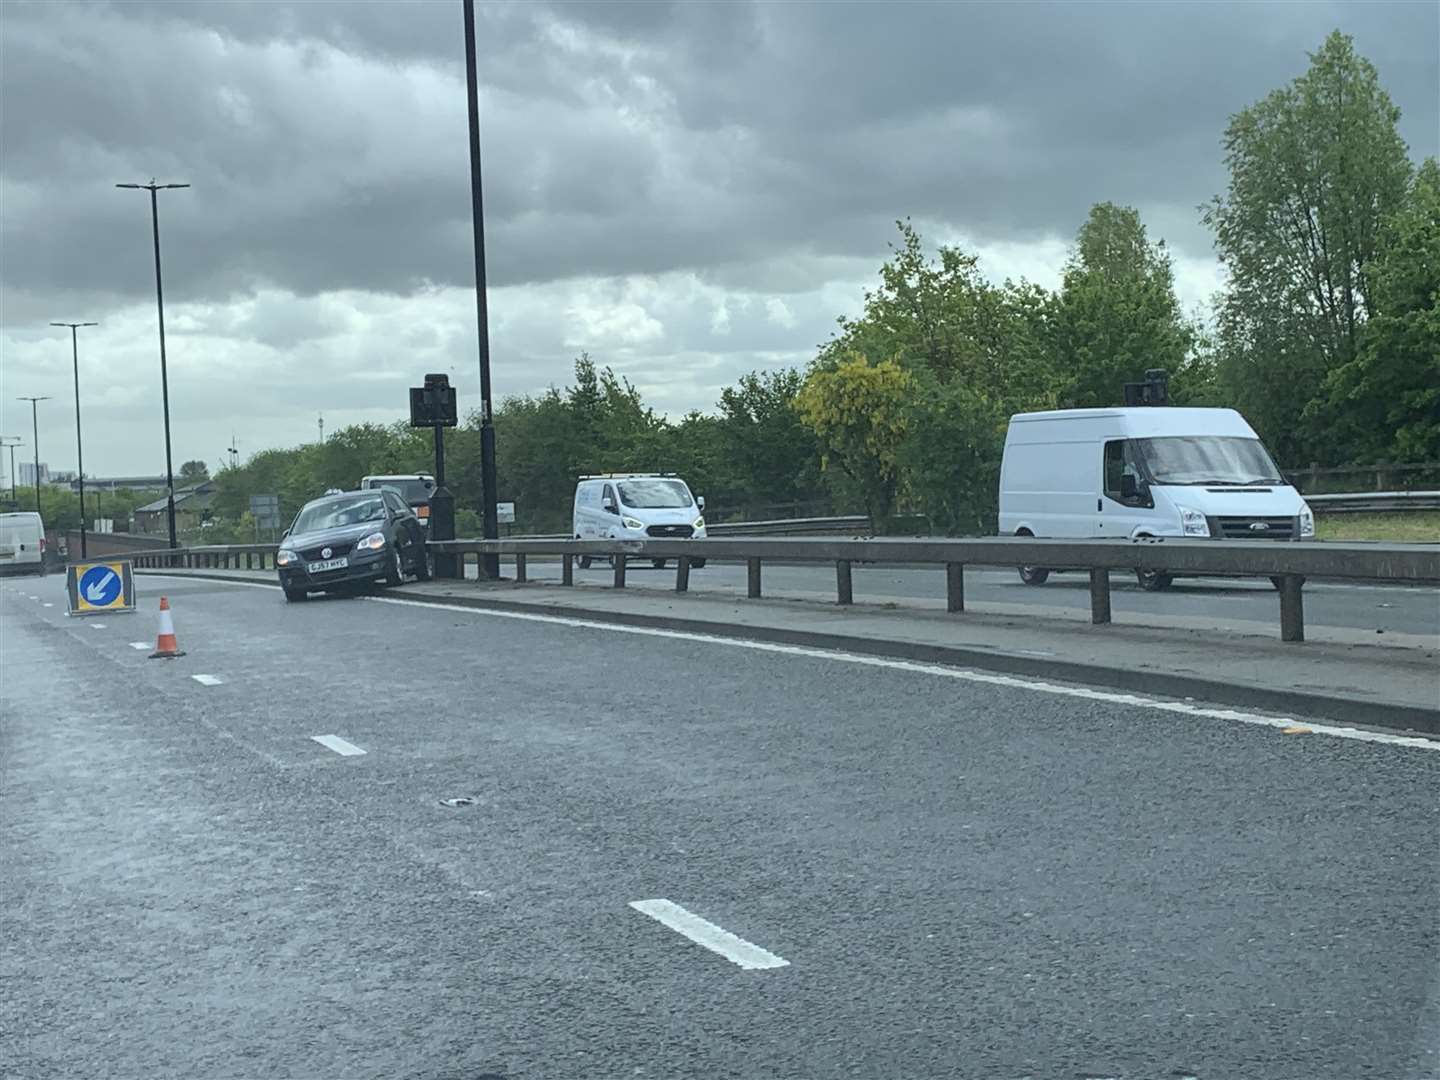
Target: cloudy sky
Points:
(686, 190)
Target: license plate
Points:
(328, 564)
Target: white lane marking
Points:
(1182, 707)
(1114, 697)
(339, 745)
(208, 680)
(735, 949)
(97, 626)
(47, 605)
(140, 644)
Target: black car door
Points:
(405, 527)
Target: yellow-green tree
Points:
(858, 412)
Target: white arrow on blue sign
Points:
(100, 586)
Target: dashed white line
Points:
(735, 949)
(208, 680)
(140, 644)
(97, 626)
(47, 605)
(339, 745)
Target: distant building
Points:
(126, 483)
(27, 473)
(192, 506)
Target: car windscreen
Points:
(1208, 459)
(412, 491)
(337, 513)
(655, 494)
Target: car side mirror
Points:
(700, 501)
(1129, 489)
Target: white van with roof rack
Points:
(414, 488)
(634, 506)
(1125, 473)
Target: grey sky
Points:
(686, 190)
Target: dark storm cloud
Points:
(326, 141)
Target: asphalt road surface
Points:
(681, 858)
(1391, 609)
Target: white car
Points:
(634, 506)
(22, 543)
(1125, 473)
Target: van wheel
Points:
(697, 564)
(1154, 580)
(659, 564)
(1034, 575)
(582, 561)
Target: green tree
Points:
(1315, 168)
(950, 459)
(1388, 396)
(194, 472)
(768, 455)
(1117, 313)
(859, 412)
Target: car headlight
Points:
(699, 523)
(286, 558)
(1192, 522)
(1307, 522)
(373, 542)
(631, 523)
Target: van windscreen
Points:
(655, 494)
(1208, 459)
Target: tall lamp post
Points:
(491, 563)
(10, 442)
(35, 424)
(79, 451)
(153, 187)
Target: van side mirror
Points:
(1128, 488)
(608, 506)
(700, 501)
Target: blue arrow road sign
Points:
(100, 585)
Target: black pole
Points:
(489, 563)
(439, 456)
(35, 434)
(79, 452)
(164, 374)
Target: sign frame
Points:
(80, 604)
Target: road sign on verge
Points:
(99, 587)
(505, 513)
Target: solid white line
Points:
(735, 949)
(1113, 697)
(208, 680)
(339, 745)
(140, 644)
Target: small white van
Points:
(1123, 473)
(633, 506)
(414, 488)
(22, 543)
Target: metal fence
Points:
(1287, 565)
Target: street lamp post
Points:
(79, 451)
(153, 187)
(491, 563)
(35, 423)
(11, 441)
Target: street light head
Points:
(136, 186)
(174, 185)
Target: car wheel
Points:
(697, 564)
(295, 596)
(425, 564)
(1034, 575)
(1154, 580)
(659, 564)
(394, 574)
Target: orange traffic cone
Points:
(166, 647)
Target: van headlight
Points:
(631, 523)
(698, 524)
(1192, 522)
(1307, 522)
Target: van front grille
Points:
(1254, 528)
(682, 532)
